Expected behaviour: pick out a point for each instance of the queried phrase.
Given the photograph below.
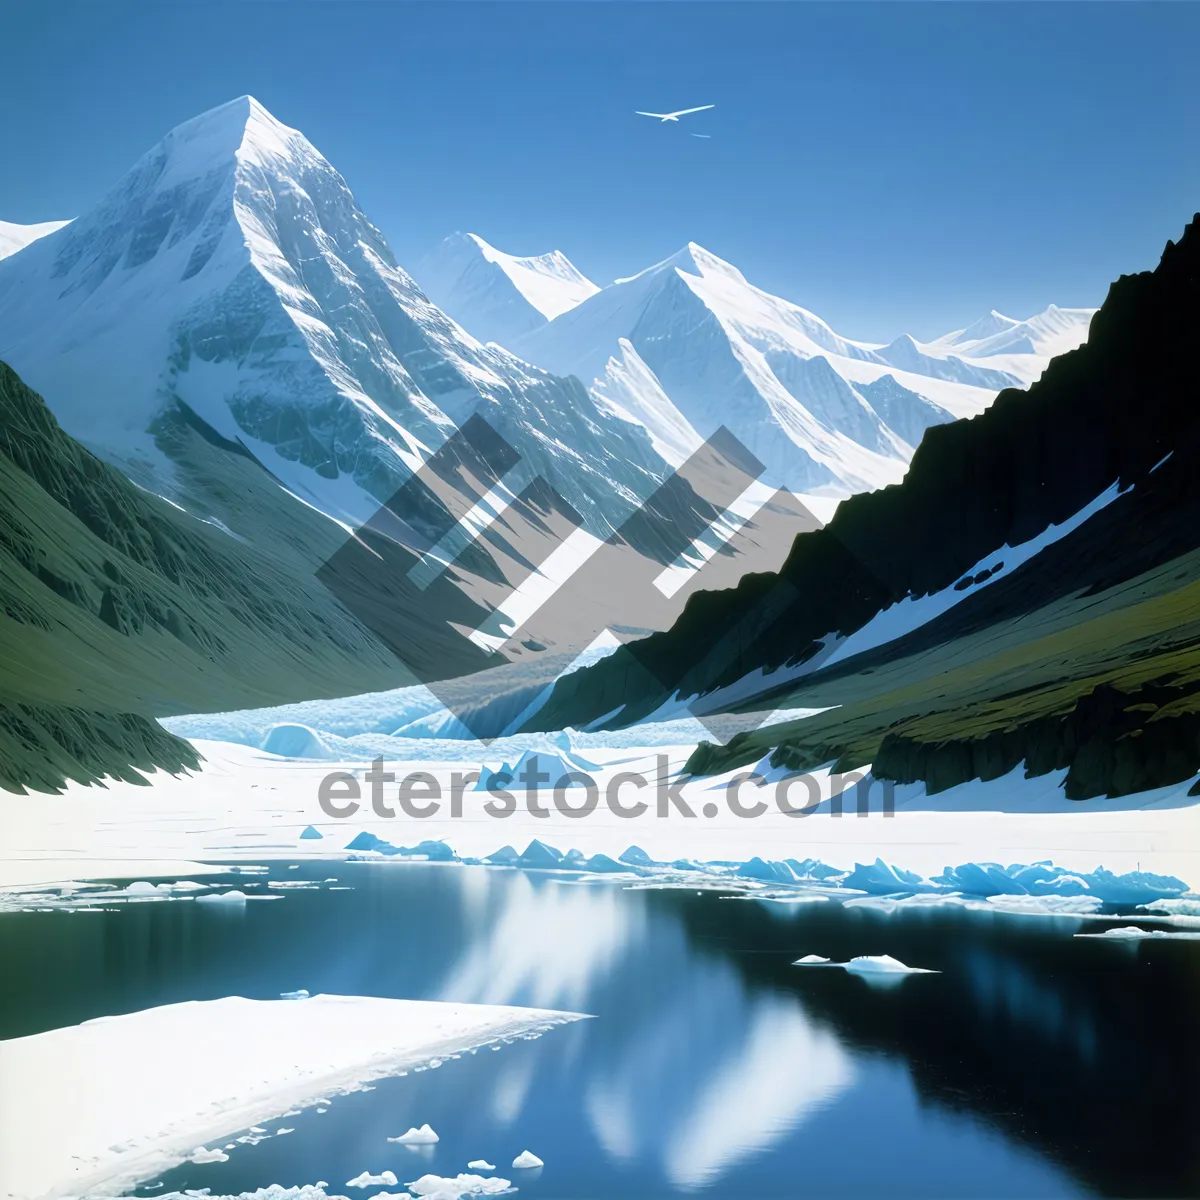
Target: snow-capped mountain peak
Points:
(498, 296)
(987, 326)
(15, 237)
(230, 276)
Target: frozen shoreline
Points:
(93, 1108)
(247, 805)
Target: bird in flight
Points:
(674, 116)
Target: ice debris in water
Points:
(424, 1136)
(1132, 933)
(527, 1159)
(441, 1187)
(233, 897)
(480, 1164)
(866, 964)
(366, 1179)
(299, 994)
(202, 1154)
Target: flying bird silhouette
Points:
(674, 116)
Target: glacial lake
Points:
(1033, 1064)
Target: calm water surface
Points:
(1034, 1064)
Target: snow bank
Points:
(96, 1106)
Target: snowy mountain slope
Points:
(17, 237)
(822, 411)
(724, 351)
(231, 277)
(497, 296)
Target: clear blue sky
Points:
(893, 167)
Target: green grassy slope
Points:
(116, 607)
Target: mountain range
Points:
(690, 344)
(497, 296)
(230, 281)
(1029, 594)
(240, 375)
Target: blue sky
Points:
(893, 167)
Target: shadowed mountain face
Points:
(1031, 591)
(116, 607)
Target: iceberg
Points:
(441, 1187)
(202, 1154)
(480, 1164)
(424, 1136)
(527, 1159)
(366, 1179)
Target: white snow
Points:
(90, 1107)
(17, 237)
(231, 269)
(424, 1136)
(689, 344)
(913, 612)
(527, 1159)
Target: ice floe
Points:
(527, 1159)
(442, 1187)
(480, 1164)
(202, 1154)
(1132, 933)
(90, 1108)
(424, 1136)
(366, 1179)
(867, 965)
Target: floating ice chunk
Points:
(871, 964)
(441, 1187)
(233, 897)
(424, 1136)
(811, 960)
(540, 856)
(202, 1154)
(635, 856)
(527, 1159)
(299, 994)
(1131, 933)
(1184, 906)
(480, 1164)
(880, 879)
(281, 1132)
(366, 1179)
